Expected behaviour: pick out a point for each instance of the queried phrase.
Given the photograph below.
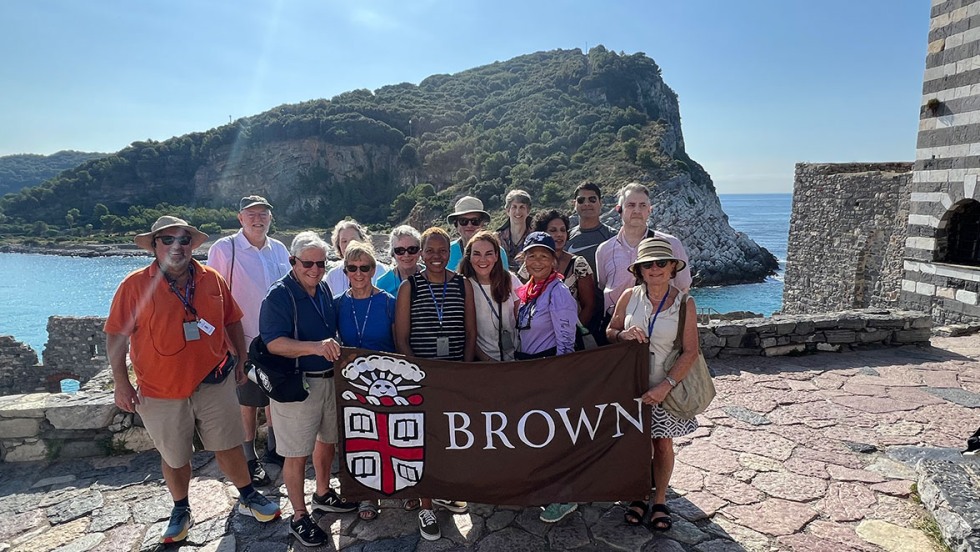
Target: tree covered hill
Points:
(542, 122)
(28, 169)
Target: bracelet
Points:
(617, 335)
(671, 381)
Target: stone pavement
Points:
(802, 453)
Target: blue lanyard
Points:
(188, 297)
(654, 319)
(360, 329)
(440, 309)
(319, 308)
(489, 302)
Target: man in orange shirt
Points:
(177, 318)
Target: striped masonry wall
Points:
(947, 163)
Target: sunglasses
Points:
(308, 264)
(591, 199)
(469, 222)
(411, 250)
(169, 240)
(659, 262)
(355, 268)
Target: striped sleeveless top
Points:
(425, 321)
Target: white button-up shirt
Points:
(614, 257)
(255, 270)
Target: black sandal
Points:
(661, 524)
(636, 513)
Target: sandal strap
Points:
(662, 508)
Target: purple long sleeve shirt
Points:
(553, 323)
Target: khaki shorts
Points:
(300, 424)
(212, 411)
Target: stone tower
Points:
(942, 250)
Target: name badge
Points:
(508, 341)
(442, 346)
(191, 332)
(205, 326)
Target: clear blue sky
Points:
(763, 84)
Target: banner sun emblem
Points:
(383, 450)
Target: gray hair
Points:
(630, 188)
(403, 231)
(362, 234)
(307, 240)
(519, 196)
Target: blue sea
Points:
(34, 287)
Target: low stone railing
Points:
(44, 426)
(807, 333)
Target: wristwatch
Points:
(671, 381)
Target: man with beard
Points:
(250, 261)
(469, 218)
(177, 318)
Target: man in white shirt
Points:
(615, 256)
(250, 261)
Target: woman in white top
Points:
(343, 233)
(649, 313)
(495, 297)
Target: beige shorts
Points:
(300, 424)
(212, 411)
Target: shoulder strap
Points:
(500, 329)
(570, 267)
(295, 321)
(681, 320)
(231, 275)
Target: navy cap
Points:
(539, 239)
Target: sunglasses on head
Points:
(411, 250)
(355, 268)
(169, 240)
(659, 262)
(591, 199)
(469, 222)
(308, 264)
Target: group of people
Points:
(534, 288)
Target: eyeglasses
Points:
(591, 199)
(355, 268)
(411, 250)
(659, 262)
(308, 264)
(469, 222)
(169, 240)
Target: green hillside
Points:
(542, 122)
(28, 169)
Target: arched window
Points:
(963, 234)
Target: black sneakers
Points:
(330, 502)
(429, 525)
(307, 531)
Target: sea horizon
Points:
(83, 286)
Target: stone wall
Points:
(809, 333)
(76, 345)
(18, 367)
(947, 164)
(846, 238)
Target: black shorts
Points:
(251, 394)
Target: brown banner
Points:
(560, 429)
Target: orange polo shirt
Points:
(144, 308)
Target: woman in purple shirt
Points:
(547, 312)
(546, 317)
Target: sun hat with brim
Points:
(655, 249)
(252, 201)
(145, 240)
(539, 239)
(467, 205)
